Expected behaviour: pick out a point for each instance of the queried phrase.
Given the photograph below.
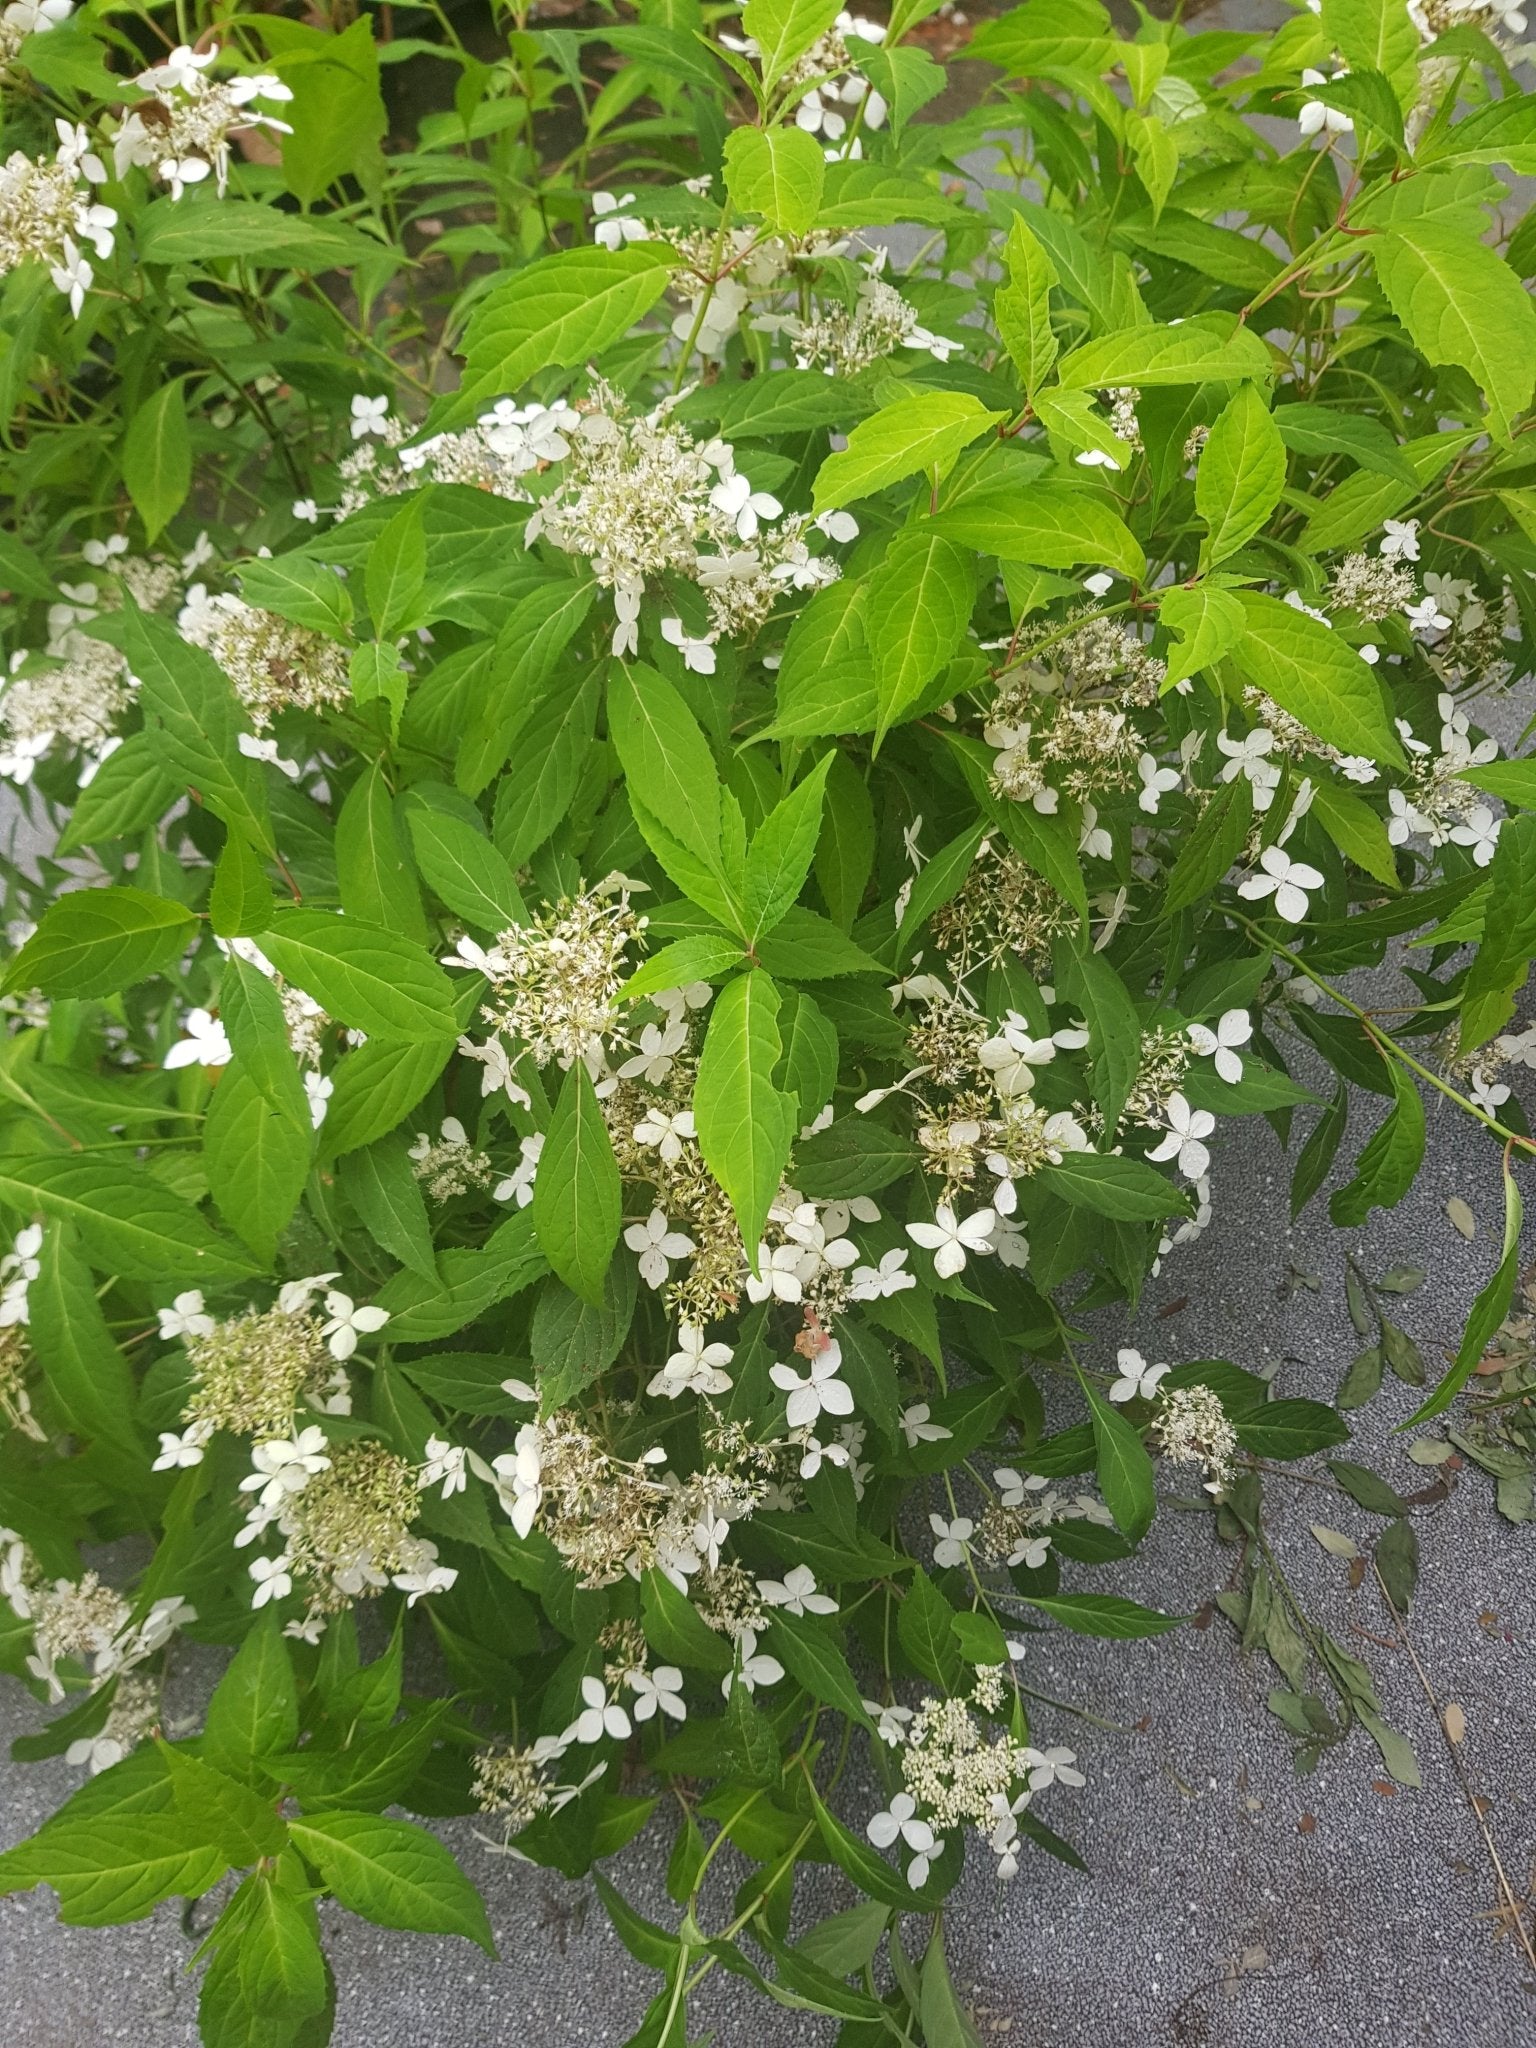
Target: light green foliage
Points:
(670, 845)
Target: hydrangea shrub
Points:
(691, 741)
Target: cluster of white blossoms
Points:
(1191, 1427)
(1506, 21)
(23, 18)
(1016, 1522)
(47, 213)
(93, 1632)
(844, 339)
(180, 132)
(75, 693)
(343, 1511)
(1435, 802)
(505, 447)
(958, 1773)
(274, 665)
(641, 500)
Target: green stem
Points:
(1385, 1044)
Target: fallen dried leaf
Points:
(1461, 1215)
(1454, 1721)
(1307, 1824)
(1334, 1541)
(1428, 1496)
(1173, 1308)
(1385, 1787)
(1356, 1573)
(1430, 1450)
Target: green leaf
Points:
(1124, 1469)
(373, 863)
(674, 1630)
(944, 2020)
(1499, 965)
(1488, 1311)
(805, 947)
(297, 587)
(337, 113)
(393, 1873)
(157, 457)
(242, 1825)
(397, 571)
(784, 30)
(1055, 526)
(1514, 781)
(87, 1374)
(1124, 1190)
(554, 745)
(1210, 348)
(1114, 1028)
(923, 1628)
(254, 1711)
(915, 434)
(251, 1011)
(647, 1943)
(845, 851)
(1021, 307)
(281, 1963)
(170, 233)
(666, 757)
(1207, 622)
(472, 1279)
(574, 1341)
(1104, 1614)
(1289, 1429)
(108, 1870)
(93, 942)
(1390, 1159)
(745, 1124)
(461, 866)
(577, 1198)
(1241, 474)
(131, 1223)
(814, 1661)
(376, 1086)
(1046, 36)
(375, 672)
(870, 1872)
(1313, 674)
(779, 858)
(129, 791)
(522, 665)
(1326, 430)
(917, 608)
(240, 901)
(257, 1158)
(381, 1187)
(703, 958)
(777, 172)
(1356, 830)
(363, 975)
(555, 313)
(192, 716)
(1462, 305)
(1375, 35)
(1209, 851)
